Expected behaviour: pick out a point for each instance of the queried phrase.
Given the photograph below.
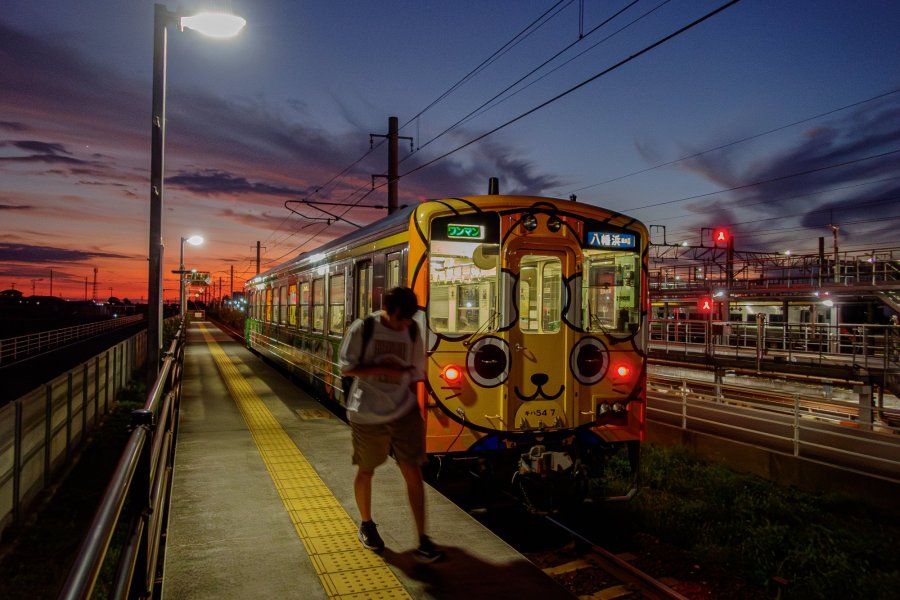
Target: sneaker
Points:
(368, 536)
(427, 552)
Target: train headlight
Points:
(529, 223)
(451, 374)
(554, 224)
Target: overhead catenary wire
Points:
(770, 180)
(736, 142)
(576, 87)
(536, 69)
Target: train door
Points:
(539, 379)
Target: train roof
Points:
(397, 220)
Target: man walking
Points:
(385, 355)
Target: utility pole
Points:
(837, 267)
(51, 282)
(231, 285)
(393, 161)
(85, 288)
(257, 257)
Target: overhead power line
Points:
(734, 143)
(772, 180)
(572, 89)
(536, 69)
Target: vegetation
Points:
(35, 561)
(824, 546)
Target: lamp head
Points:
(217, 25)
(194, 240)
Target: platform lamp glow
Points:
(194, 240)
(210, 24)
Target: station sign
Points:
(199, 278)
(611, 239)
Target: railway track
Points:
(595, 572)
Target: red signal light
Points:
(720, 237)
(451, 374)
(705, 305)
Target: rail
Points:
(803, 425)
(138, 493)
(16, 348)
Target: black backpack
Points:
(368, 328)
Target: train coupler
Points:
(540, 461)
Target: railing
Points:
(40, 431)
(701, 269)
(861, 345)
(142, 483)
(16, 348)
(803, 425)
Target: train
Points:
(534, 313)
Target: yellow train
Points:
(534, 312)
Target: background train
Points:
(534, 312)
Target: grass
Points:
(826, 546)
(35, 560)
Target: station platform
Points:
(263, 507)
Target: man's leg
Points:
(415, 489)
(362, 489)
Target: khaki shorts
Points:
(403, 438)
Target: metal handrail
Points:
(14, 348)
(142, 476)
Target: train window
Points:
(610, 294)
(318, 304)
(540, 294)
(282, 304)
(269, 304)
(463, 290)
(336, 297)
(393, 272)
(292, 305)
(363, 288)
(304, 305)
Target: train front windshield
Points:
(464, 286)
(610, 294)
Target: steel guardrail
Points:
(138, 493)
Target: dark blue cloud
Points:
(26, 253)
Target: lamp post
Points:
(194, 240)
(211, 24)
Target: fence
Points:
(806, 425)
(40, 432)
(16, 348)
(137, 496)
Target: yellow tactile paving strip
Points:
(347, 570)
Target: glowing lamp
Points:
(451, 374)
(622, 371)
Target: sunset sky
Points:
(773, 117)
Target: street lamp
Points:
(215, 25)
(194, 240)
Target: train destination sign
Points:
(611, 239)
(457, 231)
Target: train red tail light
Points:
(451, 374)
(621, 371)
